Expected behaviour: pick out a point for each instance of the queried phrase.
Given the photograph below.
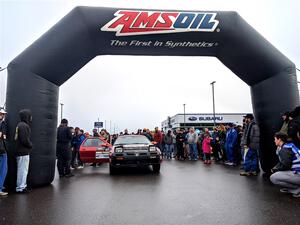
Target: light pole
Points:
(61, 111)
(213, 94)
(184, 116)
(2, 69)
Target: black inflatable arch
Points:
(35, 75)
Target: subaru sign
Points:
(192, 118)
(220, 118)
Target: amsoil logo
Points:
(131, 22)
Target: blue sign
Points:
(192, 118)
(98, 124)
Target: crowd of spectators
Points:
(229, 144)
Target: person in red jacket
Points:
(158, 137)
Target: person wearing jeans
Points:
(3, 172)
(23, 149)
(250, 160)
(231, 140)
(168, 139)
(250, 146)
(192, 139)
(22, 165)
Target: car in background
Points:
(134, 151)
(95, 150)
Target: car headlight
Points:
(118, 149)
(152, 149)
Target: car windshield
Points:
(93, 142)
(127, 140)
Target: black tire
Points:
(112, 170)
(156, 168)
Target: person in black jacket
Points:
(294, 127)
(284, 154)
(286, 174)
(23, 149)
(63, 149)
(3, 152)
(250, 146)
(179, 144)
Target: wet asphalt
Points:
(183, 193)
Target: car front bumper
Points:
(134, 161)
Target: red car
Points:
(94, 150)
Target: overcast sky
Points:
(111, 89)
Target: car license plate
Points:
(101, 155)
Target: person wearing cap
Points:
(231, 140)
(250, 145)
(63, 149)
(3, 152)
(23, 149)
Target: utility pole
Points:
(2, 69)
(61, 111)
(213, 94)
(184, 116)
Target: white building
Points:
(201, 120)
